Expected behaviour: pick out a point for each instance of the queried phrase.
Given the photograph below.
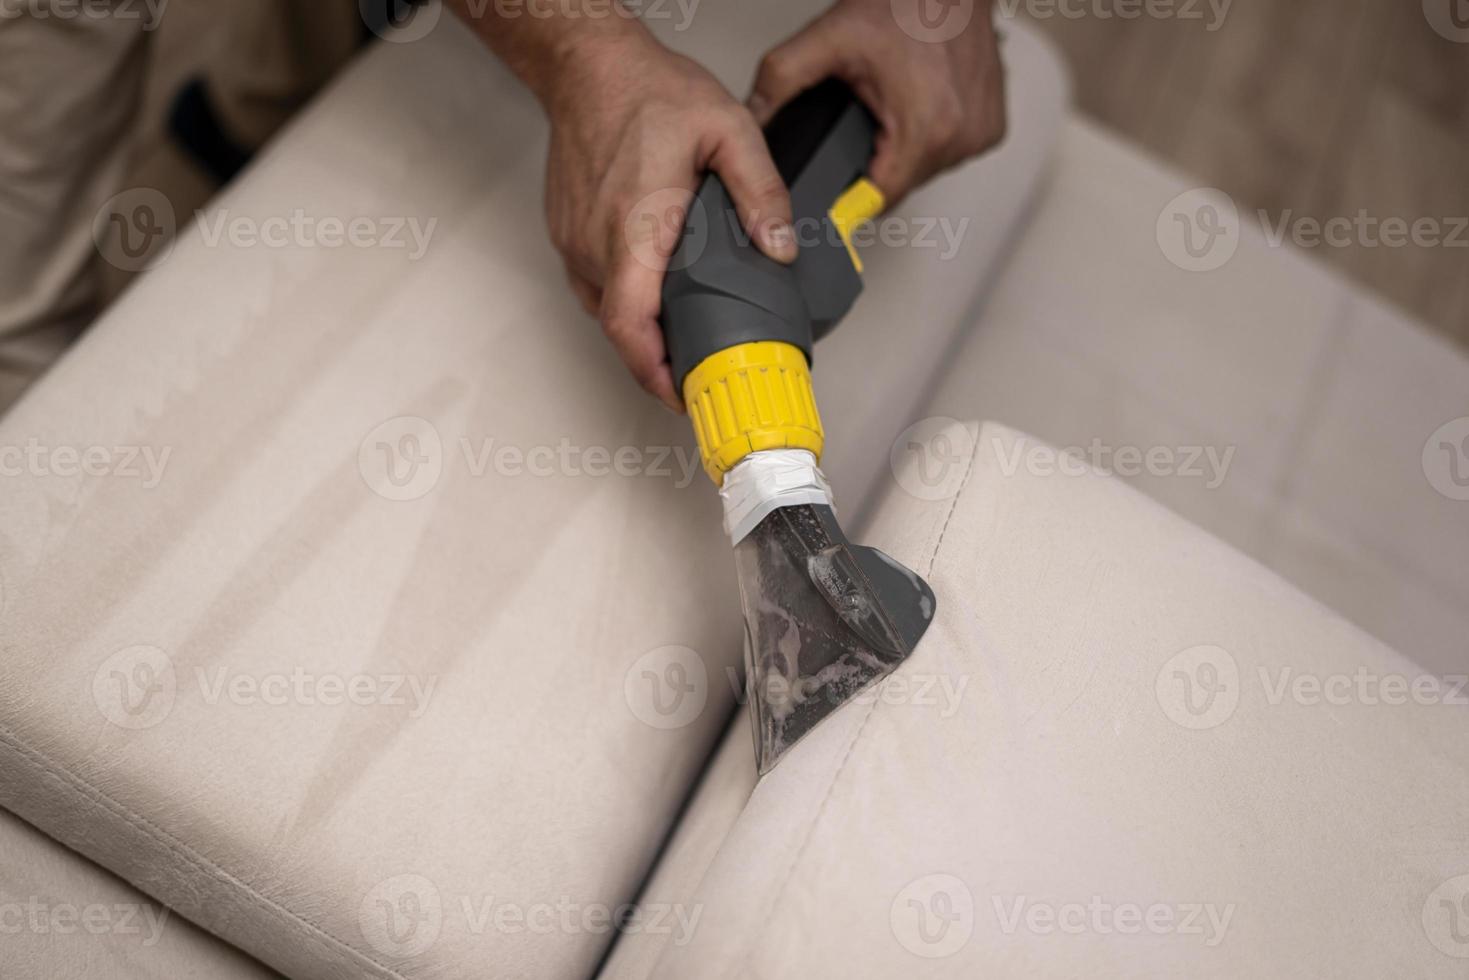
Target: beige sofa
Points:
(392, 672)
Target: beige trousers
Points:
(73, 75)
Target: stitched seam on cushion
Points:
(856, 736)
(170, 843)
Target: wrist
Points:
(575, 62)
(556, 52)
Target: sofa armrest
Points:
(1123, 750)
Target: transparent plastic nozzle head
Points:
(824, 618)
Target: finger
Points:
(585, 291)
(897, 159)
(743, 162)
(791, 68)
(630, 305)
(653, 227)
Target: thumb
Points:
(791, 68)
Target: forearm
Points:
(547, 45)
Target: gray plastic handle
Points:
(721, 290)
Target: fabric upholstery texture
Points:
(1318, 399)
(1322, 396)
(339, 645)
(1133, 779)
(64, 918)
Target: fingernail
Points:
(780, 240)
(758, 105)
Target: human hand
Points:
(634, 127)
(938, 103)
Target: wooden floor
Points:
(1312, 108)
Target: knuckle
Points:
(615, 325)
(733, 122)
(775, 69)
(771, 195)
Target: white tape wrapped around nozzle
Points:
(763, 481)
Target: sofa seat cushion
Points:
(64, 918)
(1124, 749)
(347, 641)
